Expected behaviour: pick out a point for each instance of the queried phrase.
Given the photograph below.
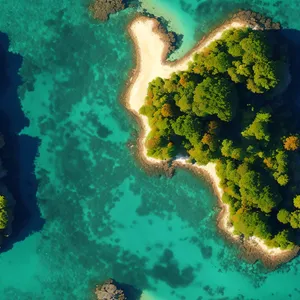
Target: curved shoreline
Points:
(152, 45)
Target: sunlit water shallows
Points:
(104, 217)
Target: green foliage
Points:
(3, 202)
(234, 75)
(251, 223)
(283, 216)
(215, 96)
(265, 77)
(277, 163)
(201, 154)
(167, 110)
(229, 150)
(296, 201)
(212, 113)
(3, 212)
(211, 141)
(3, 219)
(283, 179)
(259, 127)
(189, 127)
(283, 240)
(159, 146)
(256, 192)
(295, 219)
(217, 62)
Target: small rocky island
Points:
(109, 291)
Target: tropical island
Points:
(221, 109)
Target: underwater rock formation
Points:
(101, 9)
(109, 291)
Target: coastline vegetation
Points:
(228, 108)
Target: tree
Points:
(283, 240)
(217, 62)
(251, 223)
(147, 110)
(265, 75)
(211, 141)
(159, 146)
(215, 96)
(283, 179)
(292, 143)
(251, 86)
(234, 75)
(236, 50)
(283, 216)
(232, 190)
(201, 154)
(167, 110)
(3, 219)
(295, 219)
(259, 127)
(213, 127)
(255, 47)
(188, 127)
(296, 201)
(185, 97)
(229, 150)
(256, 192)
(3, 202)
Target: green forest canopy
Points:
(226, 109)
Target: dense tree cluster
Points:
(223, 109)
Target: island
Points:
(109, 291)
(222, 111)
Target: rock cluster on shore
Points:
(170, 37)
(109, 291)
(256, 20)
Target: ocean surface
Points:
(92, 212)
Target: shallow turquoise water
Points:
(104, 216)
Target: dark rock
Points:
(256, 20)
(101, 9)
(109, 291)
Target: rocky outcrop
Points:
(257, 20)
(101, 9)
(109, 291)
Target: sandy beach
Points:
(151, 53)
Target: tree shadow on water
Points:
(293, 38)
(19, 152)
